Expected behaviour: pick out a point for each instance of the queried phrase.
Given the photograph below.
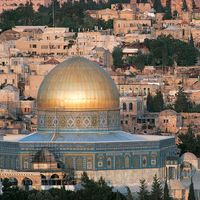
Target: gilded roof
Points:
(78, 84)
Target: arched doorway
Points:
(43, 180)
(13, 181)
(27, 183)
(55, 180)
(8, 183)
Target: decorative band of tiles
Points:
(95, 120)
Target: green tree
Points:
(193, 4)
(155, 103)
(97, 190)
(129, 195)
(168, 12)
(191, 195)
(189, 142)
(6, 184)
(158, 102)
(140, 60)
(84, 178)
(184, 6)
(118, 196)
(166, 192)
(150, 103)
(31, 196)
(117, 57)
(143, 193)
(164, 50)
(191, 40)
(156, 191)
(158, 6)
(182, 104)
(72, 15)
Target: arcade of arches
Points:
(35, 179)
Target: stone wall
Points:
(129, 178)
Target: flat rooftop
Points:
(84, 137)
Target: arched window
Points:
(109, 163)
(79, 164)
(43, 180)
(54, 180)
(54, 176)
(130, 106)
(124, 106)
(13, 181)
(26, 165)
(43, 176)
(69, 162)
(27, 181)
(117, 162)
(127, 162)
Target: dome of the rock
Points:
(78, 95)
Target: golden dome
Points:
(78, 84)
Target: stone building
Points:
(27, 106)
(169, 121)
(130, 107)
(123, 26)
(180, 172)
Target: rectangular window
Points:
(25, 164)
(89, 163)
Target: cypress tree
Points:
(193, 4)
(184, 6)
(156, 191)
(166, 192)
(182, 104)
(143, 193)
(149, 103)
(168, 12)
(188, 142)
(129, 195)
(191, 195)
(118, 196)
(158, 6)
(158, 102)
(191, 41)
(117, 57)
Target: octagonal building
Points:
(79, 130)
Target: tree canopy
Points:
(155, 103)
(166, 192)
(168, 12)
(143, 193)
(72, 15)
(189, 142)
(191, 195)
(182, 104)
(117, 57)
(158, 6)
(165, 51)
(156, 191)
